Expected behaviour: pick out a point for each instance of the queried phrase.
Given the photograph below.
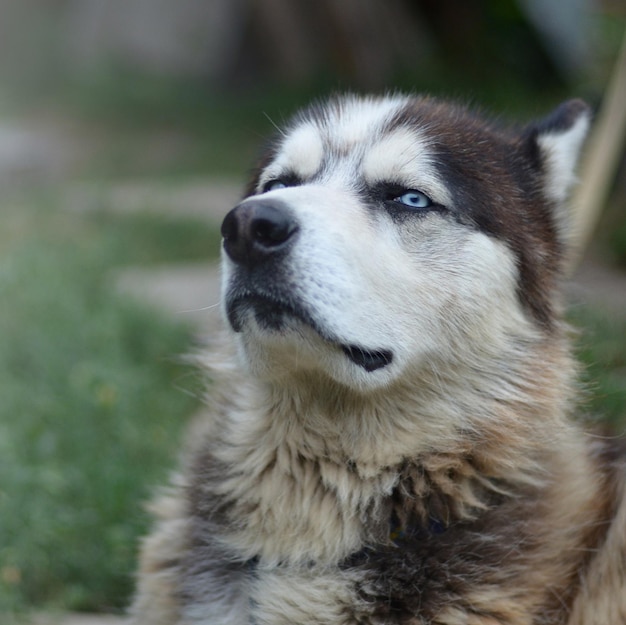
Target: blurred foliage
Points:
(617, 242)
(610, 236)
(88, 414)
(143, 125)
(601, 346)
(116, 238)
(94, 398)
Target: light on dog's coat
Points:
(389, 435)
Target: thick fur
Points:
(390, 434)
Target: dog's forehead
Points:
(351, 122)
(372, 139)
(343, 127)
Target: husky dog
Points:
(390, 438)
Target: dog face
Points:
(379, 236)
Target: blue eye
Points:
(414, 199)
(274, 185)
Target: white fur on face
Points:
(303, 146)
(370, 282)
(357, 120)
(349, 129)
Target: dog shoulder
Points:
(157, 600)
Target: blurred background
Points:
(126, 130)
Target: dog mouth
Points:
(274, 314)
(368, 359)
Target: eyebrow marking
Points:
(406, 157)
(301, 152)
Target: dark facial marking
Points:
(497, 188)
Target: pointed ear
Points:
(557, 141)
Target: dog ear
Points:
(555, 144)
(559, 138)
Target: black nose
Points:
(257, 230)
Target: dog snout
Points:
(257, 230)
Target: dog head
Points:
(380, 234)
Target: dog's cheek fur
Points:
(511, 186)
(463, 294)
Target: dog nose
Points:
(257, 230)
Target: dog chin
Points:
(284, 339)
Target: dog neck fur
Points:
(308, 449)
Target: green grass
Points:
(118, 239)
(163, 239)
(601, 347)
(94, 397)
